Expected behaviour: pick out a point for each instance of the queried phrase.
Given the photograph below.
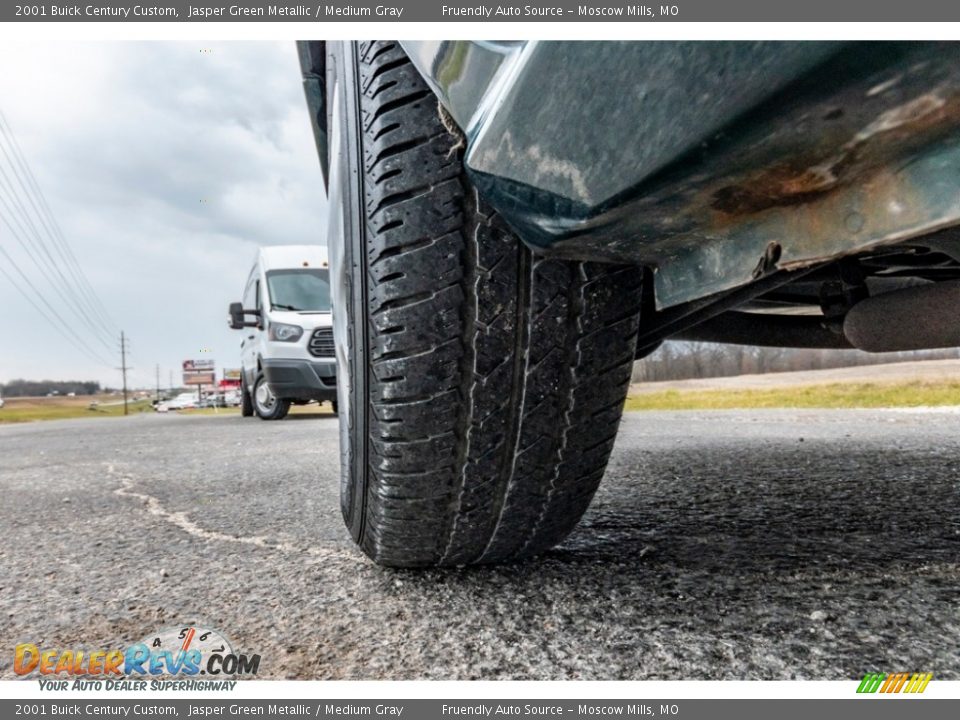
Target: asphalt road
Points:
(752, 545)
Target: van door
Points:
(248, 346)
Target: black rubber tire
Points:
(277, 412)
(486, 384)
(246, 403)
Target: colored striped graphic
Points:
(895, 683)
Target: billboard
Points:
(198, 365)
(199, 378)
(199, 372)
(231, 374)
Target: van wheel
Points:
(481, 386)
(246, 404)
(267, 405)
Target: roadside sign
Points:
(199, 378)
(198, 365)
(231, 374)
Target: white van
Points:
(287, 350)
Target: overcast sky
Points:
(166, 165)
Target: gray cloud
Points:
(166, 168)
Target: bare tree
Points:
(681, 360)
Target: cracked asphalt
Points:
(736, 544)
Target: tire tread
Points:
(497, 377)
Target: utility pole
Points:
(158, 382)
(123, 368)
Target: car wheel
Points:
(267, 405)
(480, 386)
(246, 403)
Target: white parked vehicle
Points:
(287, 354)
(183, 401)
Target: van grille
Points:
(321, 342)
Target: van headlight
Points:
(284, 332)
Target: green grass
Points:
(19, 410)
(837, 395)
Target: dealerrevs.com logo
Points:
(182, 652)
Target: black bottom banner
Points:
(874, 708)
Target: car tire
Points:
(481, 386)
(266, 405)
(246, 402)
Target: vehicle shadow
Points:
(793, 507)
(790, 509)
(803, 560)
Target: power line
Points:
(63, 247)
(79, 303)
(97, 333)
(18, 212)
(41, 311)
(86, 349)
(36, 233)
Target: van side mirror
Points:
(236, 316)
(237, 319)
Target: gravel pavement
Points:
(736, 544)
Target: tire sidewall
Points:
(345, 238)
(279, 409)
(246, 401)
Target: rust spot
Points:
(783, 184)
(800, 180)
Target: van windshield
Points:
(304, 290)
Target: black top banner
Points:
(481, 709)
(468, 11)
